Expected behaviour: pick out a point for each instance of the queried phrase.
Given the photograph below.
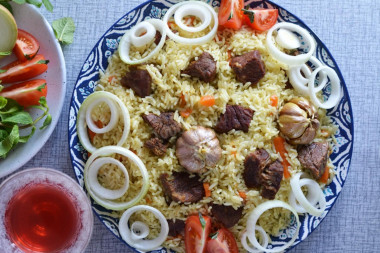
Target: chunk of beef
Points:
(314, 157)
(157, 37)
(227, 215)
(236, 117)
(254, 165)
(176, 227)
(248, 67)
(271, 179)
(156, 146)
(182, 188)
(139, 81)
(204, 68)
(164, 125)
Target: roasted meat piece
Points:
(204, 68)
(176, 227)
(254, 165)
(235, 117)
(156, 146)
(164, 125)
(227, 215)
(248, 67)
(271, 179)
(139, 81)
(180, 187)
(314, 157)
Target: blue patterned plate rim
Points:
(345, 96)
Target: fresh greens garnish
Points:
(214, 235)
(43, 62)
(3, 71)
(250, 14)
(202, 220)
(6, 5)
(13, 117)
(64, 29)
(230, 16)
(5, 53)
(36, 3)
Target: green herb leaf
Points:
(24, 139)
(3, 71)
(47, 122)
(202, 220)
(230, 16)
(1, 87)
(250, 14)
(64, 29)
(43, 102)
(42, 62)
(34, 2)
(214, 235)
(3, 102)
(7, 5)
(19, 1)
(22, 118)
(42, 86)
(5, 53)
(48, 5)
(9, 142)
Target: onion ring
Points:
(142, 34)
(254, 217)
(264, 237)
(313, 186)
(192, 9)
(97, 187)
(196, 6)
(335, 88)
(139, 242)
(126, 41)
(82, 115)
(107, 203)
(286, 39)
(285, 58)
(111, 124)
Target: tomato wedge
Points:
(196, 234)
(230, 14)
(260, 19)
(18, 71)
(26, 93)
(26, 46)
(223, 242)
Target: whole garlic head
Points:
(298, 121)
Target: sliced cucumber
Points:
(8, 28)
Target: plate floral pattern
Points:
(97, 61)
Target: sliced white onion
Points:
(108, 203)
(139, 230)
(264, 240)
(88, 105)
(312, 195)
(308, 204)
(98, 189)
(335, 88)
(286, 39)
(126, 41)
(139, 242)
(142, 34)
(283, 57)
(113, 120)
(192, 9)
(299, 82)
(196, 8)
(254, 217)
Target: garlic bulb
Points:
(298, 121)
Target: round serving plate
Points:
(31, 20)
(97, 60)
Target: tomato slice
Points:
(263, 19)
(26, 46)
(230, 14)
(18, 71)
(223, 243)
(195, 234)
(26, 93)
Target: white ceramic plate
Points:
(29, 19)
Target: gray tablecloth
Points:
(351, 30)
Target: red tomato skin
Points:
(26, 46)
(257, 25)
(224, 243)
(18, 71)
(195, 236)
(226, 8)
(26, 93)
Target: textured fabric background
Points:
(351, 30)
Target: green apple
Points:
(8, 28)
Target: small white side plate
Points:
(29, 19)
